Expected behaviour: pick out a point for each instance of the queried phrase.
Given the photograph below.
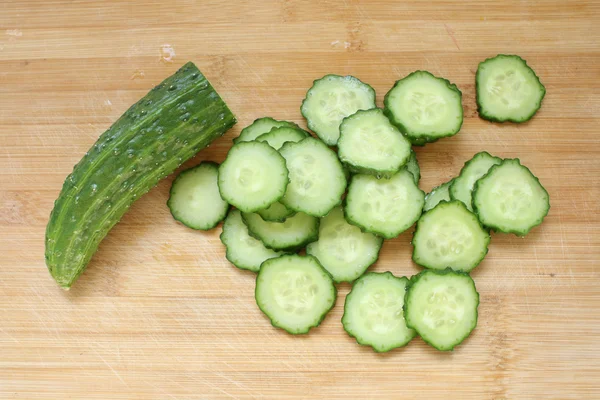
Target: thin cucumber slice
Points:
(295, 292)
(370, 144)
(261, 126)
(243, 251)
(508, 89)
(449, 235)
(253, 176)
(510, 198)
(331, 99)
(412, 165)
(424, 107)
(317, 179)
(342, 249)
(292, 234)
(276, 212)
(276, 137)
(442, 307)
(385, 207)
(462, 187)
(374, 314)
(437, 194)
(194, 199)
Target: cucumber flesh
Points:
(412, 165)
(442, 307)
(331, 99)
(194, 199)
(292, 234)
(508, 89)
(259, 127)
(342, 249)
(253, 176)
(510, 198)
(370, 144)
(437, 195)
(462, 187)
(295, 292)
(277, 137)
(374, 314)
(276, 212)
(424, 107)
(449, 235)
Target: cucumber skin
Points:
(415, 278)
(497, 228)
(465, 166)
(449, 183)
(175, 120)
(421, 140)
(491, 118)
(417, 170)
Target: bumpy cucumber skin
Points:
(334, 293)
(413, 280)
(421, 140)
(464, 168)
(412, 165)
(174, 121)
(498, 228)
(247, 129)
(445, 185)
(291, 249)
(358, 340)
(492, 118)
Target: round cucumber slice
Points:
(462, 187)
(276, 212)
(259, 127)
(437, 195)
(276, 137)
(292, 234)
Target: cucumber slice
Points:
(424, 107)
(374, 314)
(342, 249)
(276, 137)
(194, 199)
(437, 194)
(412, 165)
(508, 89)
(292, 234)
(295, 292)
(370, 144)
(317, 179)
(449, 235)
(331, 99)
(243, 251)
(276, 212)
(442, 307)
(253, 176)
(462, 187)
(510, 198)
(385, 207)
(259, 127)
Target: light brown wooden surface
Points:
(160, 313)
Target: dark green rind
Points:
(358, 339)
(492, 118)
(247, 134)
(292, 248)
(449, 183)
(273, 323)
(271, 216)
(412, 165)
(174, 121)
(219, 218)
(278, 131)
(443, 204)
(421, 140)
(498, 228)
(413, 280)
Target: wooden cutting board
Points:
(160, 313)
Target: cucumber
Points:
(331, 99)
(385, 207)
(510, 198)
(276, 212)
(412, 165)
(370, 144)
(437, 194)
(374, 314)
(292, 234)
(508, 89)
(462, 187)
(342, 249)
(243, 251)
(317, 179)
(442, 307)
(424, 107)
(179, 117)
(449, 235)
(276, 137)
(194, 199)
(294, 292)
(253, 176)
(259, 127)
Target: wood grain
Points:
(160, 314)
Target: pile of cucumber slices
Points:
(338, 195)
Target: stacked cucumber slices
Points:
(293, 191)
